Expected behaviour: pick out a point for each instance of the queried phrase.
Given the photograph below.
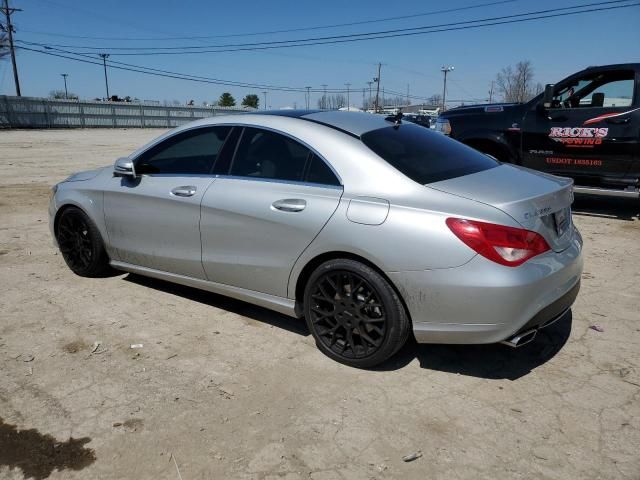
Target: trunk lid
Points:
(538, 201)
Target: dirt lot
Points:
(222, 389)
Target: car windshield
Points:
(425, 156)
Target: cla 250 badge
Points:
(585, 137)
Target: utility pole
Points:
(377, 80)
(445, 70)
(104, 57)
(491, 92)
(348, 99)
(324, 96)
(408, 94)
(364, 102)
(7, 13)
(66, 94)
(265, 99)
(308, 96)
(369, 106)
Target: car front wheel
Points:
(81, 244)
(354, 314)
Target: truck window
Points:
(425, 156)
(597, 90)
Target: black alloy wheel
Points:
(354, 314)
(80, 244)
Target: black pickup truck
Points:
(586, 127)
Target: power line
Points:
(230, 83)
(335, 39)
(204, 79)
(271, 32)
(175, 75)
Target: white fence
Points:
(33, 112)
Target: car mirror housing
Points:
(124, 168)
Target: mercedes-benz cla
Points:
(372, 229)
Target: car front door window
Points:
(192, 152)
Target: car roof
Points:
(355, 124)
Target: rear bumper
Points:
(483, 302)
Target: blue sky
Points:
(556, 47)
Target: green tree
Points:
(251, 100)
(227, 100)
(60, 94)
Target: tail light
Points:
(504, 245)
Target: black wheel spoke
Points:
(75, 241)
(347, 314)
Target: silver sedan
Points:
(369, 228)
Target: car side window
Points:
(266, 154)
(599, 90)
(191, 152)
(319, 172)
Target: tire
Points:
(354, 314)
(81, 244)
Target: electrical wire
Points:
(271, 32)
(179, 76)
(490, 21)
(86, 57)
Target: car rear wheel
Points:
(81, 244)
(354, 314)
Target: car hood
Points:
(85, 175)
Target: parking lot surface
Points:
(222, 389)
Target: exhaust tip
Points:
(521, 339)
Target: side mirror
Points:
(547, 98)
(124, 168)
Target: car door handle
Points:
(617, 121)
(289, 205)
(184, 191)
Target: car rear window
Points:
(425, 156)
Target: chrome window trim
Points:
(285, 182)
(243, 126)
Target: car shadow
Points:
(494, 361)
(238, 307)
(606, 207)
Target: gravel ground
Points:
(222, 389)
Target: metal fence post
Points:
(10, 119)
(168, 117)
(141, 116)
(47, 113)
(82, 120)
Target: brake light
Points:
(507, 246)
